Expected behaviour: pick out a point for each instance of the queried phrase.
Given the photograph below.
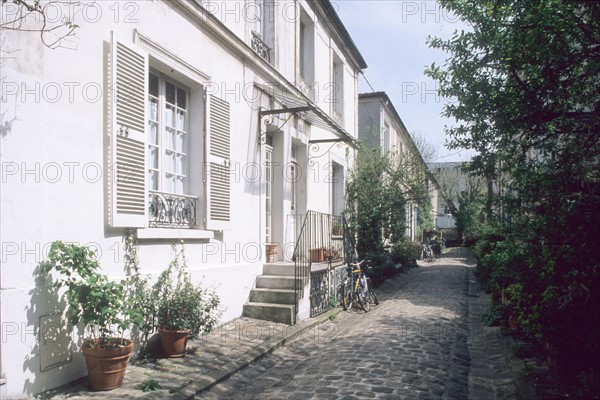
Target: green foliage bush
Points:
(381, 267)
(101, 305)
(536, 131)
(182, 305)
(406, 253)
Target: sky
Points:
(391, 36)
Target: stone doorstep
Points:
(191, 385)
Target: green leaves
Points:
(526, 81)
(179, 304)
(93, 300)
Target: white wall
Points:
(53, 167)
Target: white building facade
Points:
(380, 126)
(215, 123)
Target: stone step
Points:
(273, 296)
(276, 282)
(279, 269)
(281, 313)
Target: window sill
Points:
(165, 233)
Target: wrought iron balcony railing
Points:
(166, 210)
(260, 47)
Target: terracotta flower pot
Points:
(317, 255)
(271, 252)
(106, 365)
(173, 343)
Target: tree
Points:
(525, 85)
(378, 191)
(462, 193)
(53, 20)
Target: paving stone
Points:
(425, 340)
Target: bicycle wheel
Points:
(347, 295)
(371, 296)
(363, 302)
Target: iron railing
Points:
(167, 210)
(321, 245)
(260, 47)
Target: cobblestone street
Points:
(424, 341)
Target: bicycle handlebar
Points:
(352, 266)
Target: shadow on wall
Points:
(52, 351)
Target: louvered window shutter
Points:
(218, 174)
(127, 183)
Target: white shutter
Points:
(127, 183)
(218, 164)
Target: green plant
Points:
(93, 300)
(382, 267)
(180, 304)
(337, 227)
(149, 384)
(405, 252)
(138, 288)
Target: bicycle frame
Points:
(355, 287)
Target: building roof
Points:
(331, 17)
(385, 100)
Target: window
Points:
(257, 17)
(306, 49)
(386, 138)
(167, 135)
(268, 188)
(294, 180)
(337, 85)
(302, 49)
(260, 17)
(169, 166)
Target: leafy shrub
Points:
(381, 267)
(101, 305)
(405, 253)
(182, 305)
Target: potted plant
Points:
(101, 305)
(332, 254)
(271, 252)
(317, 254)
(183, 309)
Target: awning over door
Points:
(310, 112)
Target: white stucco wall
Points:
(53, 171)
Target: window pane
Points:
(153, 85)
(168, 183)
(153, 178)
(169, 162)
(170, 139)
(153, 132)
(302, 49)
(180, 185)
(170, 92)
(181, 120)
(181, 100)
(170, 116)
(181, 165)
(153, 161)
(153, 109)
(179, 145)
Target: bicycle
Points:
(427, 253)
(357, 286)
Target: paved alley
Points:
(417, 344)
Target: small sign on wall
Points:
(55, 342)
